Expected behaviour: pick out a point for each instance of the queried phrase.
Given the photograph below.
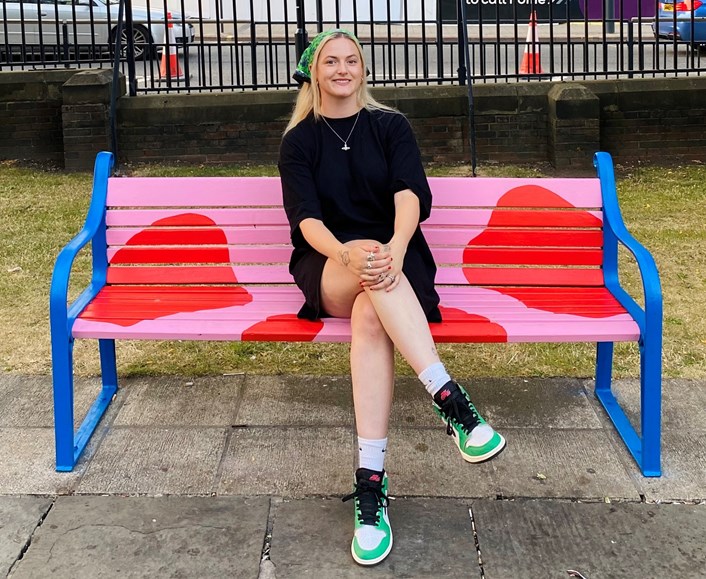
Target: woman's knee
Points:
(365, 320)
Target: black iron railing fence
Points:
(217, 45)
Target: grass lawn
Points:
(40, 210)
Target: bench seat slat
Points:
(268, 313)
(142, 275)
(339, 330)
(589, 297)
(104, 307)
(217, 313)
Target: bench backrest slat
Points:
(268, 216)
(280, 254)
(262, 191)
(222, 230)
(166, 236)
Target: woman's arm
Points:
(406, 217)
(406, 223)
(322, 240)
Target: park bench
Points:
(205, 258)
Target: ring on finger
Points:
(369, 265)
(371, 256)
(392, 278)
(381, 277)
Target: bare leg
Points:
(398, 310)
(372, 370)
(404, 321)
(372, 351)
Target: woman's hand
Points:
(397, 252)
(389, 278)
(369, 262)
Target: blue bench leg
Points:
(645, 451)
(109, 378)
(68, 446)
(651, 404)
(63, 385)
(604, 366)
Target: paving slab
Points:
(117, 537)
(296, 400)
(621, 541)
(28, 460)
(683, 402)
(534, 403)
(426, 462)
(507, 402)
(27, 401)
(155, 461)
(411, 406)
(288, 461)
(432, 538)
(683, 468)
(572, 464)
(178, 401)
(19, 517)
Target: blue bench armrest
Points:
(648, 319)
(62, 315)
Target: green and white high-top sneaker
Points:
(372, 538)
(474, 437)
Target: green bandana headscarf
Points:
(303, 72)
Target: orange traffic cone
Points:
(531, 62)
(169, 67)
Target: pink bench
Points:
(520, 260)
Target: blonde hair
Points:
(309, 98)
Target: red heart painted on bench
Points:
(540, 197)
(283, 327)
(459, 326)
(153, 305)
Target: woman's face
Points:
(339, 70)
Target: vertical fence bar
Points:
(300, 36)
(130, 49)
(462, 71)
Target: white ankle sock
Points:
(371, 453)
(434, 377)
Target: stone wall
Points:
(64, 115)
(30, 115)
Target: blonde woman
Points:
(355, 192)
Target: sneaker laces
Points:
(370, 500)
(457, 408)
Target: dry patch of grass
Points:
(41, 210)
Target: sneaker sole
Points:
(483, 457)
(370, 562)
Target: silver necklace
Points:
(345, 146)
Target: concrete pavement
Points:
(241, 476)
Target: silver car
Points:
(38, 24)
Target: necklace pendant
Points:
(345, 147)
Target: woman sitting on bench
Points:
(355, 192)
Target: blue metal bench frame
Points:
(644, 447)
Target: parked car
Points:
(678, 19)
(36, 25)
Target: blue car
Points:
(683, 20)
